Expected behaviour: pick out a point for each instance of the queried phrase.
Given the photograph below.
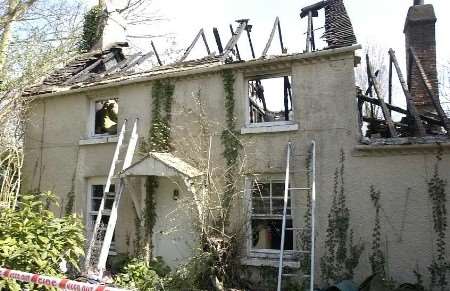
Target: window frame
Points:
(91, 213)
(281, 123)
(91, 123)
(271, 254)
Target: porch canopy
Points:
(162, 165)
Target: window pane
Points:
(106, 116)
(97, 191)
(260, 206)
(260, 190)
(266, 234)
(278, 189)
(278, 205)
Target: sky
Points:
(376, 23)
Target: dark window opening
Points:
(106, 116)
(270, 99)
(266, 217)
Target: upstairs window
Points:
(105, 113)
(270, 100)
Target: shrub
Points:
(141, 276)
(33, 240)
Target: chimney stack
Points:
(420, 35)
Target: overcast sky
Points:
(376, 22)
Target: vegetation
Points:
(377, 258)
(33, 240)
(230, 142)
(140, 275)
(94, 23)
(342, 256)
(440, 266)
(159, 141)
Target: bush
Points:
(138, 275)
(33, 240)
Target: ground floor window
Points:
(267, 202)
(95, 197)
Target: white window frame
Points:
(91, 123)
(91, 213)
(281, 125)
(270, 254)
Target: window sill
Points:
(99, 140)
(269, 262)
(267, 127)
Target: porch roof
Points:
(161, 164)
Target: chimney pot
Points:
(418, 2)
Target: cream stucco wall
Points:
(325, 111)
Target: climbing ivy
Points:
(377, 259)
(305, 234)
(94, 22)
(158, 141)
(162, 96)
(436, 190)
(341, 255)
(230, 141)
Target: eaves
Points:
(202, 69)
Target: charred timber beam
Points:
(218, 41)
(313, 8)
(156, 53)
(410, 104)
(238, 54)
(272, 33)
(386, 113)
(398, 109)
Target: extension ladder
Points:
(94, 265)
(311, 171)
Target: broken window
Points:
(267, 202)
(105, 119)
(270, 99)
(95, 198)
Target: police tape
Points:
(60, 283)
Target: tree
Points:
(35, 37)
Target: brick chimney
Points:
(420, 34)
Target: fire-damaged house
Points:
(308, 153)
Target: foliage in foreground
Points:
(194, 275)
(33, 240)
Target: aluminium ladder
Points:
(120, 162)
(312, 188)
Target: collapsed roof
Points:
(97, 66)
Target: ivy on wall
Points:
(230, 142)
(158, 141)
(341, 254)
(439, 267)
(94, 22)
(377, 258)
(305, 234)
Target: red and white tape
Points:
(63, 284)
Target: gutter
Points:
(120, 81)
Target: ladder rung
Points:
(300, 189)
(298, 251)
(290, 275)
(298, 228)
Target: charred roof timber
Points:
(111, 62)
(419, 2)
